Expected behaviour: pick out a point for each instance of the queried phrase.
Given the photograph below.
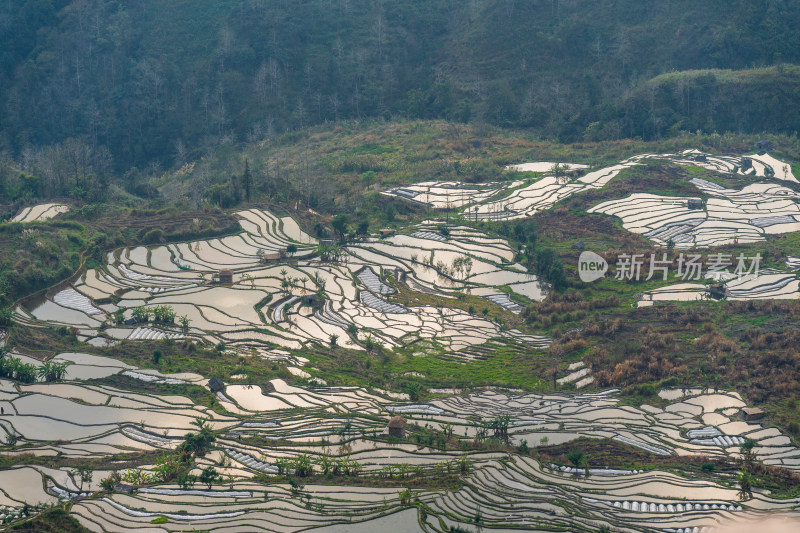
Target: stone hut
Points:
(124, 488)
(225, 276)
(695, 203)
(752, 413)
(747, 163)
(397, 427)
(216, 385)
(764, 146)
(386, 232)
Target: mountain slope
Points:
(161, 86)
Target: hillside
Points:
(435, 266)
(158, 89)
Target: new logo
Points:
(591, 267)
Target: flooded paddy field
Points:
(265, 304)
(291, 453)
(39, 213)
(261, 430)
(746, 215)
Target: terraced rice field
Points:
(507, 491)
(744, 216)
(728, 216)
(274, 304)
(38, 213)
(770, 284)
(266, 305)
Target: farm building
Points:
(397, 427)
(764, 146)
(216, 385)
(225, 275)
(269, 256)
(752, 413)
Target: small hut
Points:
(225, 276)
(397, 427)
(386, 232)
(764, 146)
(752, 413)
(718, 292)
(268, 257)
(695, 203)
(216, 385)
(747, 163)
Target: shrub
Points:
(707, 467)
(153, 236)
(51, 371)
(111, 481)
(208, 476)
(577, 457)
(523, 447)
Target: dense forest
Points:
(94, 87)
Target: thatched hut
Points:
(225, 276)
(216, 385)
(397, 427)
(752, 413)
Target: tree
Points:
(84, 474)
(51, 371)
(291, 249)
(746, 450)
(413, 390)
(556, 353)
(339, 225)
(5, 316)
(198, 443)
(247, 181)
(208, 476)
(303, 465)
(185, 480)
(745, 480)
(500, 426)
(577, 457)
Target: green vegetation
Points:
(155, 126)
(620, 73)
(38, 255)
(55, 520)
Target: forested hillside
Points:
(151, 85)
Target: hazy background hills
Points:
(152, 84)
